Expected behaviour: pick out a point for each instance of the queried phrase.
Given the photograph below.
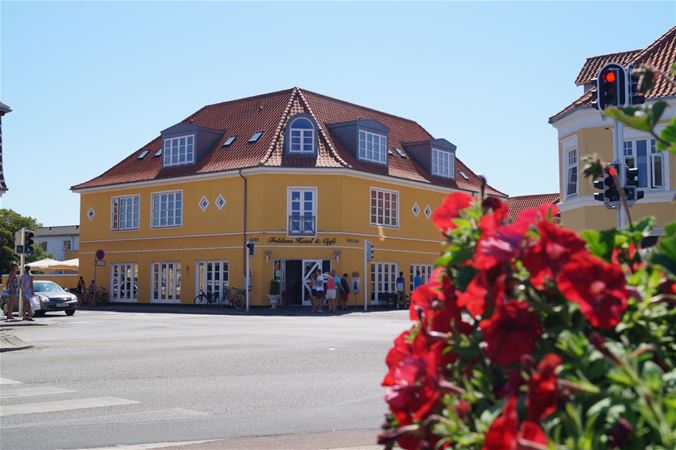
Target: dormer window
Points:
(443, 163)
(372, 147)
(179, 150)
(302, 136)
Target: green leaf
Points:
(652, 376)
(634, 117)
(668, 135)
(657, 111)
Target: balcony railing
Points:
(302, 225)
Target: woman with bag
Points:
(13, 291)
(27, 291)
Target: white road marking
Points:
(8, 381)
(32, 391)
(63, 405)
(154, 445)
(133, 417)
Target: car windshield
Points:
(46, 286)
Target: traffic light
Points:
(370, 251)
(610, 87)
(631, 183)
(28, 242)
(251, 247)
(599, 184)
(610, 196)
(636, 97)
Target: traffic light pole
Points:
(247, 277)
(618, 154)
(22, 263)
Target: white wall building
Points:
(60, 241)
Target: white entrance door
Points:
(383, 280)
(123, 283)
(166, 282)
(211, 277)
(310, 266)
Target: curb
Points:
(9, 342)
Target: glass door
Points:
(310, 266)
(124, 283)
(166, 282)
(212, 276)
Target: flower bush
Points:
(528, 336)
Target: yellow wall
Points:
(343, 204)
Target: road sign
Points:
(19, 248)
(100, 254)
(100, 263)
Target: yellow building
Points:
(307, 179)
(583, 131)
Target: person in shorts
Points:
(400, 289)
(12, 290)
(344, 292)
(317, 291)
(331, 288)
(27, 291)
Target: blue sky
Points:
(89, 83)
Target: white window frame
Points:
(304, 133)
(381, 219)
(630, 151)
(569, 164)
(178, 222)
(223, 270)
(176, 155)
(301, 189)
(173, 285)
(425, 273)
(382, 286)
(117, 293)
(443, 163)
(378, 150)
(116, 224)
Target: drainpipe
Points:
(245, 250)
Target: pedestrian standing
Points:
(27, 291)
(318, 292)
(331, 287)
(417, 281)
(12, 290)
(400, 289)
(344, 292)
(81, 288)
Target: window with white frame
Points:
(383, 281)
(571, 172)
(372, 147)
(384, 208)
(302, 136)
(165, 282)
(212, 278)
(124, 282)
(125, 212)
(167, 209)
(425, 271)
(643, 154)
(302, 210)
(179, 150)
(443, 163)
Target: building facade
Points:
(62, 242)
(583, 131)
(306, 178)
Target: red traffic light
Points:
(610, 76)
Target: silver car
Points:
(52, 298)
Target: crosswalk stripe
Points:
(32, 391)
(63, 405)
(8, 381)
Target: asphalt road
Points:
(103, 378)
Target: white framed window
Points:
(302, 210)
(643, 154)
(125, 212)
(167, 209)
(383, 281)
(302, 136)
(212, 277)
(372, 147)
(165, 282)
(124, 282)
(571, 172)
(179, 150)
(443, 163)
(425, 272)
(384, 208)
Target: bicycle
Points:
(235, 297)
(96, 298)
(206, 298)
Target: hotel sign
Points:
(328, 242)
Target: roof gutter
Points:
(244, 248)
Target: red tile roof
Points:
(661, 54)
(526, 202)
(269, 113)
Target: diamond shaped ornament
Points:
(220, 202)
(90, 214)
(204, 203)
(415, 209)
(428, 211)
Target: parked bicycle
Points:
(232, 296)
(207, 298)
(99, 297)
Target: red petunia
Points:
(597, 287)
(499, 245)
(450, 209)
(531, 437)
(511, 332)
(542, 388)
(501, 435)
(435, 311)
(554, 248)
(486, 289)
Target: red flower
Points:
(462, 409)
(546, 258)
(498, 246)
(597, 287)
(435, 311)
(511, 332)
(537, 215)
(486, 289)
(531, 436)
(449, 210)
(542, 388)
(501, 435)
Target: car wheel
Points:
(70, 312)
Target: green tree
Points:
(11, 222)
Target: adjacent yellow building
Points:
(583, 130)
(307, 179)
